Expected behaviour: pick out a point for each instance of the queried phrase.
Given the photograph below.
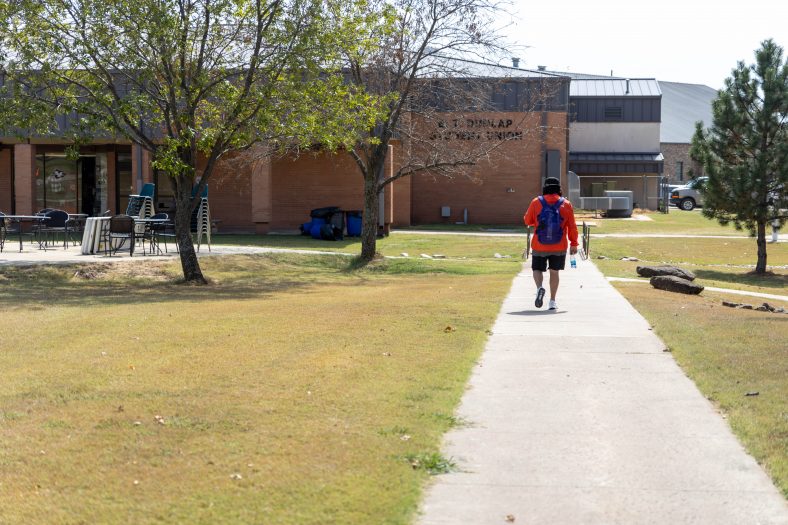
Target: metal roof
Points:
(682, 106)
(614, 87)
(460, 67)
(582, 76)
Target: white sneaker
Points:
(553, 306)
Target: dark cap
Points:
(551, 185)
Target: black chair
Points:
(163, 230)
(76, 225)
(4, 230)
(58, 223)
(121, 227)
(150, 231)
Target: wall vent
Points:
(614, 113)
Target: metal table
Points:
(19, 219)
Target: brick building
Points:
(260, 194)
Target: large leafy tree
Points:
(20, 115)
(422, 60)
(191, 81)
(745, 152)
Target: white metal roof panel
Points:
(614, 87)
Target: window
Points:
(57, 182)
(679, 170)
(74, 186)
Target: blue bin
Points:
(314, 231)
(354, 224)
(306, 228)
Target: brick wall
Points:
(675, 153)
(24, 184)
(230, 194)
(402, 190)
(313, 180)
(6, 170)
(498, 190)
(297, 185)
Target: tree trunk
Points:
(183, 216)
(760, 267)
(369, 229)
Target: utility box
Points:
(445, 212)
(573, 187)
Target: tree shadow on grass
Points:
(768, 280)
(37, 287)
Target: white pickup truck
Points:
(690, 195)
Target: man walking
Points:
(554, 219)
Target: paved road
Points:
(580, 417)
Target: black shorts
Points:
(539, 262)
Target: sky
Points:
(692, 41)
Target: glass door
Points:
(94, 199)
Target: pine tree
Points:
(745, 152)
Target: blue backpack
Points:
(549, 230)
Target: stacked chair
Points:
(201, 219)
(141, 206)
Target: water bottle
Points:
(573, 261)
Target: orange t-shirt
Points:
(568, 225)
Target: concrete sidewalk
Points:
(578, 416)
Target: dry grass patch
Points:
(288, 391)
(723, 263)
(729, 353)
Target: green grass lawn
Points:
(728, 353)
(455, 246)
(722, 263)
(292, 390)
(288, 391)
(675, 222)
